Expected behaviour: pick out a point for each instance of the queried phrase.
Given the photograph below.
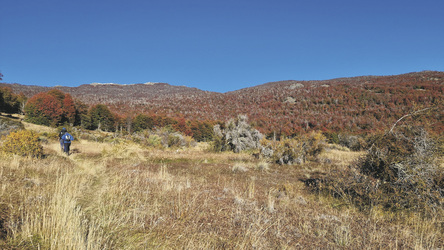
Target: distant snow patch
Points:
(98, 83)
(116, 84)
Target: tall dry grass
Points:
(123, 196)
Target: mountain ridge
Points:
(18, 86)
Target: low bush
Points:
(353, 142)
(163, 138)
(400, 171)
(22, 142)
(262, 166)
(176, 140)
(295, 150)
(287, 151)
(9, 125)
(153, 141)
(314, 144)
(237, 136)
(239, 168)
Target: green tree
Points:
(82, 118)
(202, 131)
(101, 118)
(9, 102)
(142, 122)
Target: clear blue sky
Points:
(219, 45)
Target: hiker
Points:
(67, 138)
(62, 145)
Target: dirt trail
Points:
(77, 195)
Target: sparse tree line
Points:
(55, 108)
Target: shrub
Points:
(164, 137)
(314, 143)
(400, 171)
(154, 141)
(175, 140)
(288, 151)
(332, 137)
(24, 143)
(9, 125)
(262, 166)
(353, 142)
(239, 168)
(295, 150)
(218, 144)
(237, 136)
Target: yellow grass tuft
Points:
(341, 157)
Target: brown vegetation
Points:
(357, 105)
(401, 171)
(122, 195)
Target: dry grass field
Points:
(124, 196)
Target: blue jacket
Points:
(67, 138)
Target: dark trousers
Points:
(66, 147)
(62, 145)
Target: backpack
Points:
(67, 137)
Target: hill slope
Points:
(357, 104)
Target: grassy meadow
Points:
(120, 195)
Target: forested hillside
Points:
(356, 105)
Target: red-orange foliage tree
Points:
(51, 108)
(59, 95)
(183, 127)
(69, 109)
(43, 109)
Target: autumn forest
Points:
(358, 105)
